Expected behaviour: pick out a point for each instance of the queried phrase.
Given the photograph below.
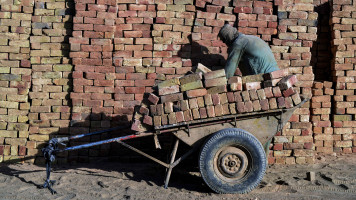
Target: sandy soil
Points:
(112, 180)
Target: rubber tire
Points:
(228, 137)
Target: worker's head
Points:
(228, 34)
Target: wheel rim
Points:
(231, 163)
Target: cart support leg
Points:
(173, 156)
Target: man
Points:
(255, 55)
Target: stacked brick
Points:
(297, 29)
(256, 18)
(343, 24)
(51, 73)
(15, 78)
(209, 95)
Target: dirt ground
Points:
(113, 180)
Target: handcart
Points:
(233, 148)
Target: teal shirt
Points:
(255, 55)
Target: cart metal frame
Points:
(263, 125)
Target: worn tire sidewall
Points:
(233, 137)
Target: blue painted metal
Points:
(99, 142)
(97, 132)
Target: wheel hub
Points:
(232, 162)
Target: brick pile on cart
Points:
(209, 94)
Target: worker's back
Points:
(257, 56)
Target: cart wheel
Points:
(232, 161)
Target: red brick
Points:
(193, 103)
(288, 102)
(169, 90)
(238, 97)
(276, 92)
(135, 90)
(203, 113)
(168, 107)
(287, 82)
(187, 115)
(276, 74)
(180, 116)
(196, 114)
(215, 99)
(208, 100)
(148, 120)
(153, 98)
(252, 85)
(248, 106)
(230, 97)
(256, 105)
(281, 102)
(289, 92)
(196, 93)
(210, 111)
(253, 94)
(264, 104)
(172, 97)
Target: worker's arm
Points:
(233, 59)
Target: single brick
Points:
(256, 105)
(272, 103)
(268, 92)
(264, 104)
(168, 107)
(144, 110)
(153, 110)
(215, 82)
(157, 120)
(252, 78)
(203, 113)
(164, 119)
(276, 74)
(236, 86)
(200, 101)
(296, 99)
(216, 99)
(217, 89)
(210, 111)
(261, 94)
(281, 102)
(138, 126)
(196, 114)
(252, 85)
(193, 103)
(238, 97)
(253, 94)
(289, 92)
(168, 90)
(287, 82)
(169, 82)
(223, 98)
(153, 98)
(342, 117)
(189, 78)
(160, 110)
(230, 97)
(218, 110)
(248, 106)
(245, 96)
(202, 68)
(289, 102)
(208, 100)
(226, 110)
(180, 116)
(232, 107)
(188, 115)
(172, 97)
(184, 105)
(192, 85)
(147, 120)
(276, 92)
(215, 74)
(235, 79)
(196, 93)
(240, 107)
(172, 119)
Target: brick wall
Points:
(73, 67)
